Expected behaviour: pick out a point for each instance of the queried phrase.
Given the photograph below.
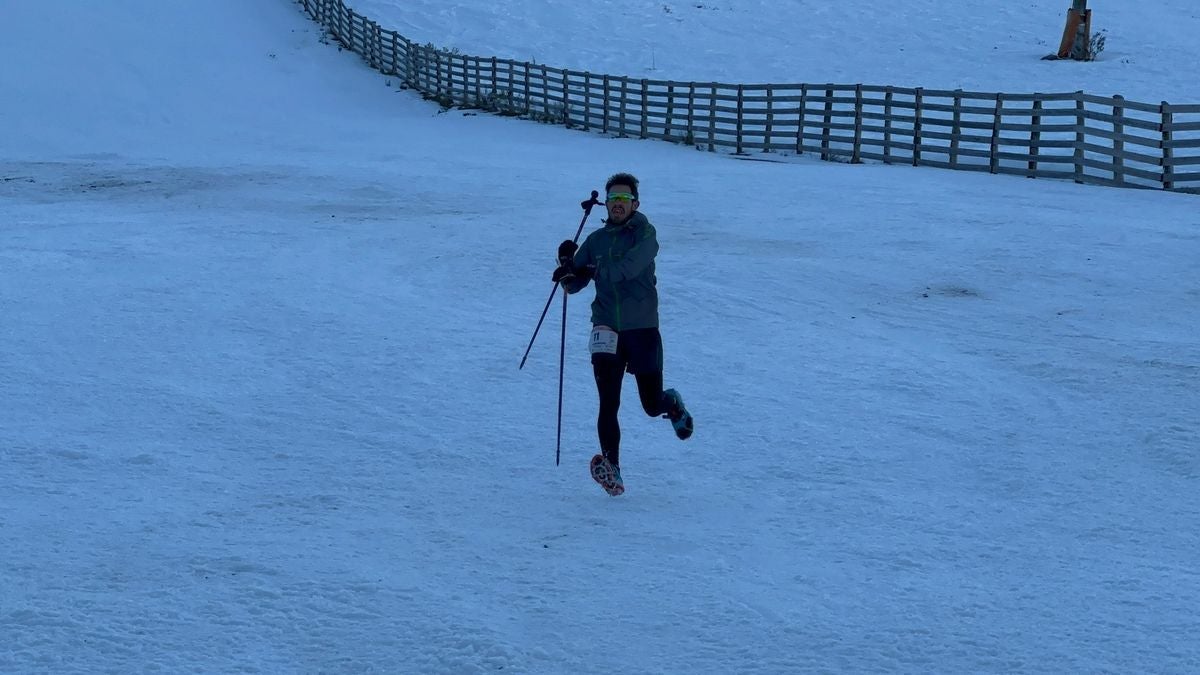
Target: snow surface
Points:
(260, 408)
(937, 44)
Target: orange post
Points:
(1071, 37)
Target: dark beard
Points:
(613, 221)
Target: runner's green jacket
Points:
(620, 259)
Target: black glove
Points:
(563, 273)
(566, 252)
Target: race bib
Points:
(604, 340)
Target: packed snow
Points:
(260, 408)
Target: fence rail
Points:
(1076, 136)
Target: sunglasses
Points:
(620, 197)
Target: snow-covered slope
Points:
(260, 409)
(936, 44)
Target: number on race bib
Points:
(604, 340)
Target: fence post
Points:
(1119, 138)
(604, 105)
(1168, 120)
(918, 101)
(423, 76)
(364, 49)
(378, 30)
(437, 69)
(621, 120)
(827, 121)
(956, 128)
(360, 43)
(528, 97)
(470, 63)
(368, 52)
(414, 65)
(856, 157)
(445, 82)
(478, 81)
(493, 97)
(371, 42)
(408, 61)
(770, 117)
(800, 121)
(466, 81)
(587, 100)
(645, 107)
(514, 103)
(1035, 135)
(887, 125)
(1080, 137)
(566, 84)
(691, 114)
(376, 46)
(712, 119)
(740, 114)
(395, 54)
(669, 126)
(545, 94)
(998, 115)
(379, 46)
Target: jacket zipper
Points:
(616, 294)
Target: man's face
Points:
(620, 203)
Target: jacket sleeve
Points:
(585, 267)
(636, 261)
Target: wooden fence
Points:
(1077, 136)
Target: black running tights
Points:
(610, 372)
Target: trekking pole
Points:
(587, 211)
(562, 358)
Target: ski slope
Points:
(260, 408)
